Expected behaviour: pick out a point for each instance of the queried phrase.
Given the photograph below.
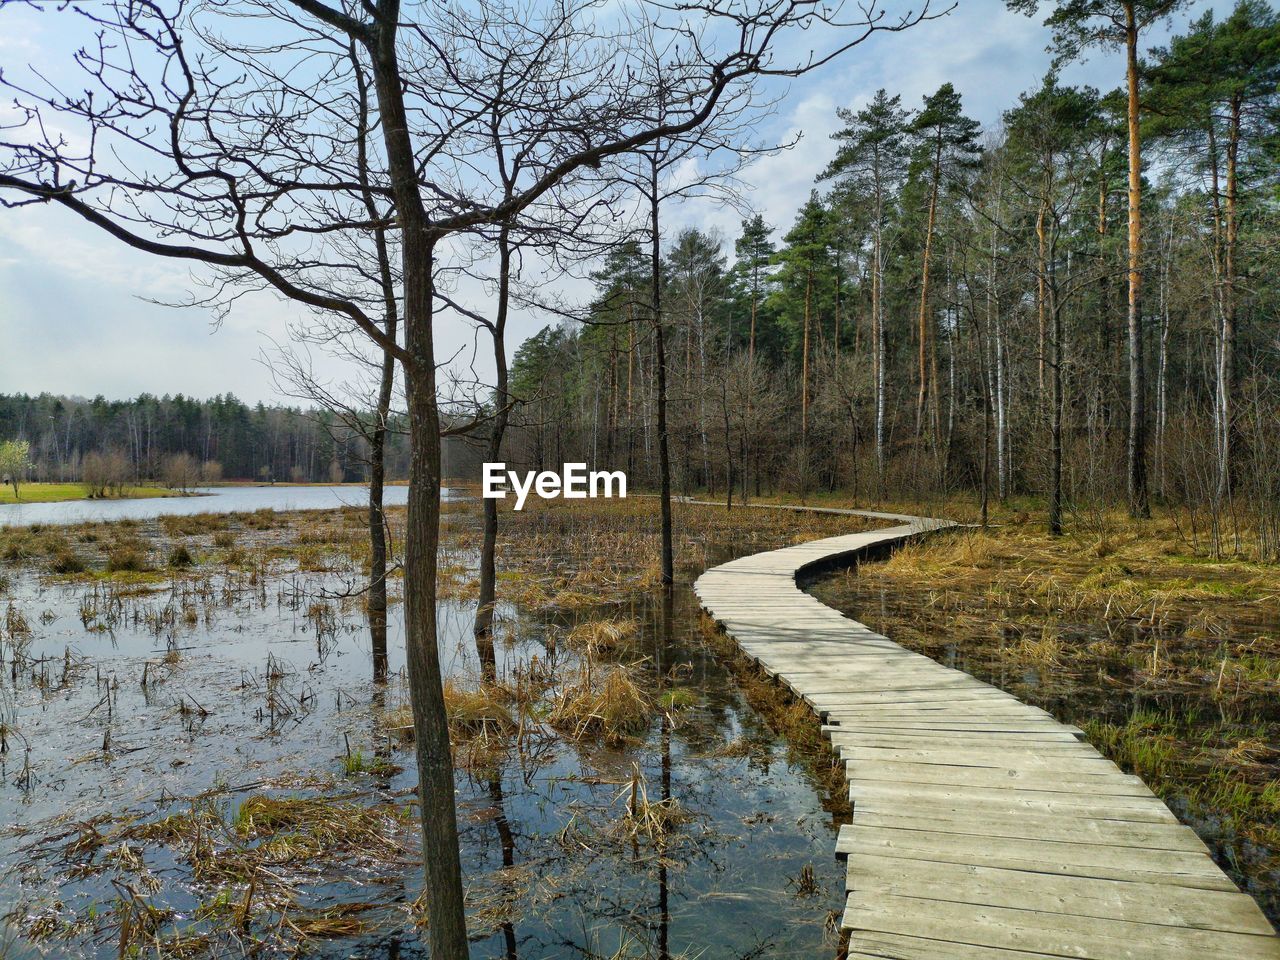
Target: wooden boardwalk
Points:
(982, 827)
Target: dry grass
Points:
(601, 703)
(611, 636)
(481, 721)
(1145, 571)
(560, 555)
(1120, 611)
(645, 819)
(248, 865)
(477, 711)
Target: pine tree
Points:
(946, 141)
(753, 252)
(1049, 133)
(870, 164)
(1078, 24)
(803, 259)
(1216, 90)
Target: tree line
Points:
(954, 309)
(225, 438)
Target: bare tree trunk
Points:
(1041, 300)
(702, 402)
(447, 928)
(1162, 365)
(998, 365)
(728, 444)
(489, 540)
(748, 446)
(835, 322)
(377, 601)
(631, 413)
(376, 606)
(1139, 501)
(952, 385)
(1226, 364)
(987, 391)
(922, 320)
(1055, 447)
(878, 345)
(664, 456)
(804, 363)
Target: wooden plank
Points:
(995, 779)
(1020, 758)
(1034, 826)
(888, 946)
(826, 695)
(906, 724)
(1133, 900)
(926, 797)
(1085, 938)
(1103, 861)
(1050, 742)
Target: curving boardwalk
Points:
(982, 827)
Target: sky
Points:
(77, 310)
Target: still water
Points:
(202, 500)
(143, 720)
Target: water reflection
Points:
(257, 686)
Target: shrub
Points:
(127, 559)
(180, 557)
(66, 561)
(606, 704)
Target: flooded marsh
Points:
(197, 761)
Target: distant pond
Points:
(232, 499)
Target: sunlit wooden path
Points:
(982, 827)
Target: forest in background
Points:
(228, 438)
(948, 311)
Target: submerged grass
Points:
(249, 863)
(557, 555)
(605, 703)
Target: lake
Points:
(202, 500)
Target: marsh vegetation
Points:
(197, 761)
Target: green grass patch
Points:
(59, 492)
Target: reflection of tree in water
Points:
(507, 841)
(563, 861)
(664, 893)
